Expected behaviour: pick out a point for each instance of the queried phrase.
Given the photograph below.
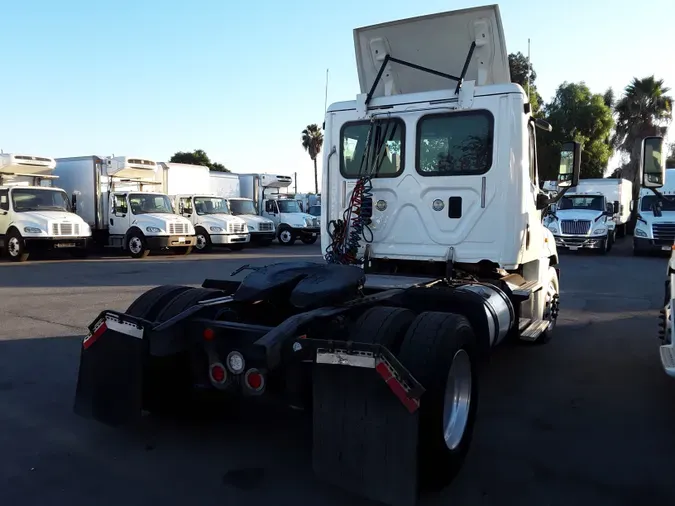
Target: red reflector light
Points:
(254, 380)
(208, 334)
(218, 373)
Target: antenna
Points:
(325, 101)
(529, 71)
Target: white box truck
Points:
(655, 225)
(189, 187)
(289, 220)
(227, 185)
(35, 215)
(617, 191)
(122, 201)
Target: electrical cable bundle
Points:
(347, 233)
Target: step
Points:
(667, 353)
(534, 330)
(528, 288)
(523, 323)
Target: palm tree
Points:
(644, 110)
(312, 141)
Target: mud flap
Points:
(364, 438)
(110, 379)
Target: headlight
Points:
(600, 231)
(553, 228)
(640, 233)
(215, 229)
(308, 222)
(153, 230)
(251, 228)
(32, 230)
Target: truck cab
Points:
(34, 215)
(260, 229)
(584, 220)
(655, 226)
(214, 223)
(290, 221)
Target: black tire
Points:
(309, 240)
(604, 248)
(237, 247)
(547, 335)
(611, 240)
(382, 325)
(286, 237)
(137, 251)
(168, 386)
(15, 246)
(149, 304)
(202, 237)
(428, 351)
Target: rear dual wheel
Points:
(440, 351)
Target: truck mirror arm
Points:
(543, 200)
(661, 196)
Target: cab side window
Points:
(532, 154)
(4, 200)
(185, 205)
(120, 204)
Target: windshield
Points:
(242, 207)
(315, 210)
(145, 203)
(34, 199)
(648, 201)
(211, 205)
(587, 203)
(289, 206)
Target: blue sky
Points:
(242, 79)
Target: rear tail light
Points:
(254, 380)
(217, 373)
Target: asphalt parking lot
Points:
(588, 418)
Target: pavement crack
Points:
(44, 320)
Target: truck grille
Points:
(65, 229)
(266, 227)
(178, 228)
(236, 228)
(575, 227)
(664, 233)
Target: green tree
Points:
(312, 142)
(197, 157)
(520, 69)
(576, 114)
(644, 109)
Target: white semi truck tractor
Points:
(655, 226)
(435, 254)
(227, 185)
(189, 187)
(123, 202)
(35, 215)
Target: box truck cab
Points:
(189, 187)
(283, 209)
(35, 215)
(122, 200)
(584, 218)
(655, 225)
(261, 230)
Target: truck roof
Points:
(441, 42)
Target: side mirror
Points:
(73, 202)
(632, 206)
(570, 165)
(652, 166)
(616, 208)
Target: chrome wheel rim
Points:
(457, 400)
(135, 245)
(285, 236)
(201, 242)
(13, 246)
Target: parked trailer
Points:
(35, 215)
(260, 229)
(122, 199)
(189, 187)
(381, 343)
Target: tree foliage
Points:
(312, 142)
(197, 157)
(644, 109)
(576, 114)
(520, 70)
